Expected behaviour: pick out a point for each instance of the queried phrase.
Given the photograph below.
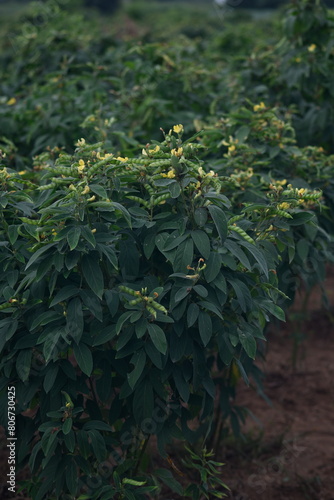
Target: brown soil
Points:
(289, 454)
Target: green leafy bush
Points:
(129, 288)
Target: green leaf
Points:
(98, 444)
(235, 250)
(167, 477)
(192, 314)
(88, 235)
(73, 237)
(44, 319)
(23, 362)
(219, 220)
(110, 254)
(50, 377)
(138, 360)
(257, 254)
(201, 216)
(98, 425)
(174, 241)
(143, 403)
(124, 212)
(182, 293)
(184, 256)
(99, 190)
(201, 291)
(67, 426)
(248, 342)
(274, 310)
(158, 337)
(205, 327)
(75, 320)
(303, 249)
(181, 385)
(211, 307)
(64, 294)
(92, 273)
(301, 218)
(202, 243)
(121, 320)
(38, 253)
(12, 234)
(213, 266)
(84, 358)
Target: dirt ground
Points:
(290, 455)
(289, 451)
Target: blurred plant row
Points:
(140, 266)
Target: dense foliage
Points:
(140, 266)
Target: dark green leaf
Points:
(202, 243)
(205, 327)
(93, 274)
(73, 237)
(84, 358)
(220, 221)
(158, 337)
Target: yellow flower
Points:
(22, 172)
(143, 152)
(92, 198)
(171, 174)
(231, 149)
(71, 187)
(301, 191)
(154, 150)
(86, 190)
(120, 158)
(282, 182)
(198, 185)
(259, 107)
(312, 47)
(210, 174)
(284, 206)
(201, 171)
(93, 231)
(81, 142)
(177, 152)
(81, 166)
(178, 129)
(11, 101)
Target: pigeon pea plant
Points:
(133, 291)
(297, 71)
(256, 146)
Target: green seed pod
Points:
(135, 301)
(283, 213)
(149, 189)
(138, 161)
(139, 200)
(159, 307)
(6, 305)
(152, 311)
(128, 290)
(160, 163)
(242, 233)
(30, 221)
(94, 168)
(236, 218)
(52, 185)
(160, 198)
